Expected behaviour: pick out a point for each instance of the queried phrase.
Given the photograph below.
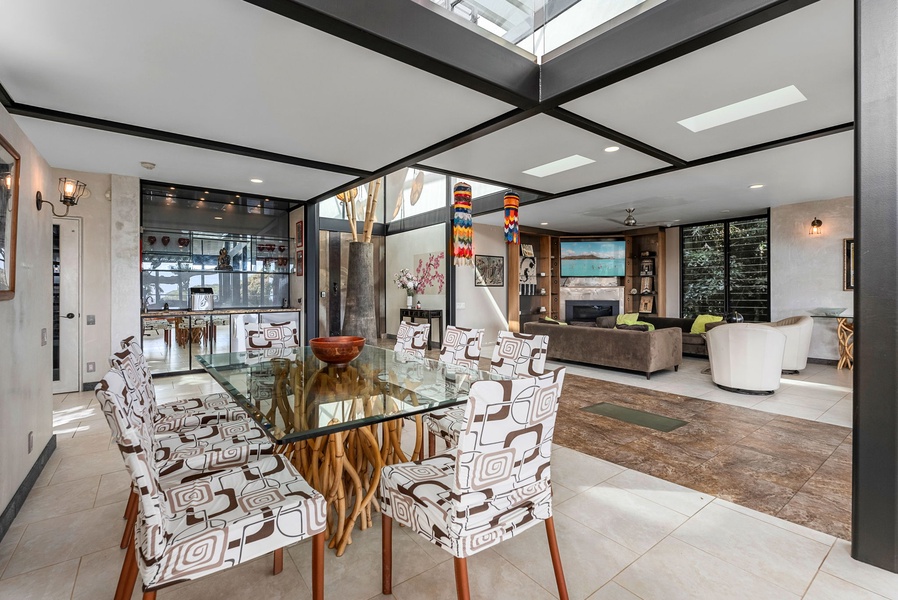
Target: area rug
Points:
(794, 469)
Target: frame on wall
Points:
(848, 264)
(9, 213)
(647, 304)
(298, 267)
(299, 234)
(489, 271)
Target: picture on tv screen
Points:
(593, 258)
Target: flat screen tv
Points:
(593, 258)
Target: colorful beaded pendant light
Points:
(462, 226)
(512, 235)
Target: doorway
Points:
(66, 305)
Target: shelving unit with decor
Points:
(533, 300)
(645, 272)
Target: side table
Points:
(413, 314)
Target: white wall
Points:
(124, 306)
(484, 307)
(672, 272)
(401, 250)
(805, 270)
(26, 403)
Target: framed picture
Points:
(848, 264)
(489, 271)
(9, 212)
(647, 304)
(299, 263)
(299, 233)
(527, 250)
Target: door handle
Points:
(69, 316)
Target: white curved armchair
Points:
(798, 341)
(746, 357)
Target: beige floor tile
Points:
(577, 471)
(490, 576)
(56, 500)
(810, 389)
(732, 398)
(49, 469)
(827, 587)
(114, 487)
(56, 540)
(626, 518)
(674, 570)
(89, 465)
(842, 413)
(840, 564)
(561, 493)
(8, 544)
(92, 427)
(812, 534)
(98, 441)
(791, 410)
(613, 591)
(249, 580)
(675, 497)
(49, 583)
(779, 556)
(590, 560)
(98, 575)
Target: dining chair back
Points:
(519, 354)
(260, 336)
(461, 347)
(412, 338)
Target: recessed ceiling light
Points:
(612, 148)
(201, 199)
(255, 180)
(543, 223)
(756, 186)
(171, 188)
(232, 202)
(218, 218)
(266, 199)
(743, 109)
(558, 166)
(206, 192)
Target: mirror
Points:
(9, 210)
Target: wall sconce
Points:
(816, 227)
(70, 191)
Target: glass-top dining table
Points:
(339, 425)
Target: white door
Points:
(66, 305)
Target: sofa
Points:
(798, 342)
(644, 351)
(693, 343)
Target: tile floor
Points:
(622, 535)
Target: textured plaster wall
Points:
(806, 271)
(124, 316)
(484, 307)
(26, 402)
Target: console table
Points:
(413, 314)
(845, 331)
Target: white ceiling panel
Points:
(229, 71)
(814, 170)
(811, 48)
(91, 150)
(507, 153)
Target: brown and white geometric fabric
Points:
(461, 347)
(260, 336)
(496, 483)
(446, 423)
(412, 338)
(214, 522)
(519, 354)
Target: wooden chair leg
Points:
(431, 444)
(278, 561)
(461, 579)
(556, 559)
(149, 595)
(318, 567)
(130, 518)
(386, 554)
(128, 576)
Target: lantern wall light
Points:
(70, 191)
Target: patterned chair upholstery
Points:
(213, 522)
(519, 354)
(461, 347)
(493, 486)
(412, 338)
(271, 335)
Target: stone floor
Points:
(622, 534)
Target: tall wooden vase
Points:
(359, 316)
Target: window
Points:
(726, 267)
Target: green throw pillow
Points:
(627, 319)
(698, 326)
(551, 320)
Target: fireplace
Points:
(589, 310)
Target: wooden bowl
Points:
(337, 350)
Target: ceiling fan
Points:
(630, 220)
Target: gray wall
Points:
(484, 307)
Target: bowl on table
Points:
(337, 350)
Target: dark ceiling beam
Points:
(668, 31)
(57, 116)
(469, 135)
(5, 99)
(615, 136)
(419, 36)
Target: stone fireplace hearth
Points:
(590, 296)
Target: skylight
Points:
(742, 110)
(559, 166)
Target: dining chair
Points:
(412, 338)
(519, 354)
(260, 336)
(211, 523)
(494, 485)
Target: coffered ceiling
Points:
(311, 96)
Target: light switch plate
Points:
(44, 336)
(91, 367)
(91, 319)
(459, 306)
